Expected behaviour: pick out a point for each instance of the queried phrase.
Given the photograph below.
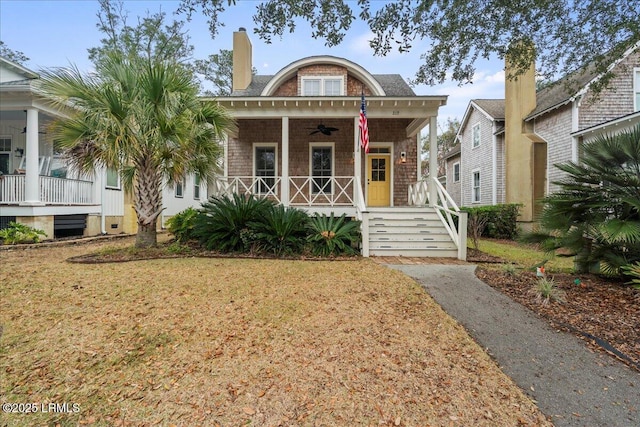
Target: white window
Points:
(180, 188)
(196, 187)
(265, 167)
(475, 187)
(636, 89)
(113, 179)
(475, 135)
(322, 86)
(456, 172)
(321, 167)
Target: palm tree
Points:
(596, 212)
(142, 117)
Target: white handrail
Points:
(446, 209)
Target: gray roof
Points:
(493, 107)
(454, 151)
(561, 91)
(392, 84)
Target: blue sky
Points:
(59, 32)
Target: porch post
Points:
(433, 159)
(284, 185)
(357, 159)
(32, 184)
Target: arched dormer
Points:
(352, 69)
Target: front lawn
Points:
(202, 341)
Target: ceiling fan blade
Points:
(315, 131)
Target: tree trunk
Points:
(148, 202)
(146, 237)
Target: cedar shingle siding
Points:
(556, 130)
(613, 102)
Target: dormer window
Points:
(322, 86)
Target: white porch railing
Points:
(446, 209)
(303, 190)
(328, 191)
(11, 189)
(268, 187)
(53, 191)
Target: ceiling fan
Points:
(24, 130)
(325, 130)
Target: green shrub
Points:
(182, 225)
(500, 221)
(281, 231)
(632, 271)
(223, 222)
(333, 236)
(509, 269)
(20, 233)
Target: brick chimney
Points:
(242, 64)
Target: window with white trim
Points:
(322, 86)
(265, 166)
(456, 172)
(321, 167)
(113, 179)
(180, 188)
(636, 89)
(475, 187)
(196, 187)
(475, 135)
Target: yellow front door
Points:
(379, 179)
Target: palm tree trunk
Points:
(148, 203)
(146, 236)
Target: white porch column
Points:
(285, 161)
(357, 158)
(32, 179)
(433, 159)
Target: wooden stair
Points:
(409, 232)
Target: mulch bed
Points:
(603, 312)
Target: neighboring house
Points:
(38, 189)
(480, 167)
(280, 150)
(541, 128)
(453, 183)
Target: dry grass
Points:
(229, 342)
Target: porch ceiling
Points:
(416, 107)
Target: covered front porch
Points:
(32, 173)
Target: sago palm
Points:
(141, 117)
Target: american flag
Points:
(364, 126)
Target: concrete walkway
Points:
(569, 382)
